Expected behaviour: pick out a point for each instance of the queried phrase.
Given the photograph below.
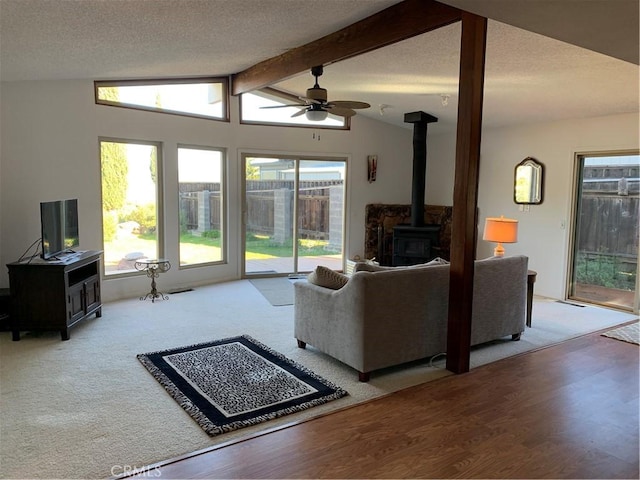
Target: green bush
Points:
(603, 271)
(183, 224)
(145, 216)
(211, 234)
(109, 226)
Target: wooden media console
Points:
(54, 295)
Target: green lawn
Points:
(261, 246)
(198, 249)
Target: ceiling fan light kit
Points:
(316, 106)
(316, 115)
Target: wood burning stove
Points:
(417, 242)
(412, 245)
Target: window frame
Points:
(224, 81)
(574, 235)
(223, 207)
(160, 226)
(246, 156)
(288, 97)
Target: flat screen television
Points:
(59, 224)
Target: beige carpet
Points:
(628, 333)
(87, 408)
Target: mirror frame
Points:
(538, 167)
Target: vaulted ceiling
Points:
(546, 60)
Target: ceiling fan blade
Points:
(348, 104)
(310, 100)
(299, 112)
(340, 111)
(284, 106)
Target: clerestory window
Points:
(193, 97)
(268, 107)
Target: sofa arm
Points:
(331, 320)
(499, 298)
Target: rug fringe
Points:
(204, 421)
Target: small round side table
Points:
(153, 268)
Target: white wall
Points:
(545, 230)
(49, 150)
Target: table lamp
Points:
(500, 230)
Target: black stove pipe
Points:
(420, 121)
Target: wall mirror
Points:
(528, 183)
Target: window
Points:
(606, 230)
(194, 97)
(201, 197)
(130, 210)
(252, 110)
(293, 213)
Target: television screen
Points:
(59, 223)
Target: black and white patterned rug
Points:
(236, 382)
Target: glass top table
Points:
(153, 268)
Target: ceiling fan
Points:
(316, 107)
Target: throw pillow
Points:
(325, 277)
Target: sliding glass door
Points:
(293, 214)
(605, 243)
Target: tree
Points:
(253, 172)
(110, 94)
(153, 165)
(114, 165)
(114, 175)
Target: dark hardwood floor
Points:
(567, 411)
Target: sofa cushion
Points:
(325, 277)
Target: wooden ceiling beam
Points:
(394, 24)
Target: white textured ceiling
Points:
(70, 39)
(529, 77)
(605, 26)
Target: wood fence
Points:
(607, 243)
(260, 209)
(189, 211)
(609, 224)
(313, 216)
(313, 206)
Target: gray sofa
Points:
(392, 316)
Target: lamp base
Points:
(499, 251)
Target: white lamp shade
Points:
(316, 115)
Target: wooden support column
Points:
(465, 193)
